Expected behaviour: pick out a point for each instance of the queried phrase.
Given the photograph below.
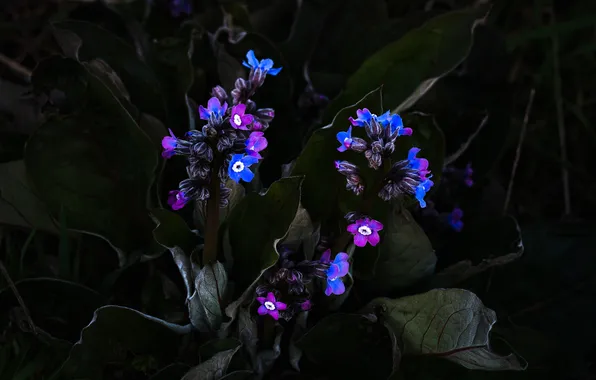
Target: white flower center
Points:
(364, 230)
(331, 278)
(269, 305)
(237, 119)
(238, 167)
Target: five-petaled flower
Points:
(365, 230)
(454, 219)
(177, 199)
(239, 167)
(265, 66)
(337, 269)
(215, 110)
(169, 144)
(364, 118)
(269, 305)
(238, 118)
(255, 143)
(345, 139)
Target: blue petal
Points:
(236, 158)
(396, 122)
(253, 62)
(337, 286)
(249, 160)
(234, 176)
(341, 136)
(333, 271)
(384, 118)
(274, 72)
(266, 64)
(247, 175)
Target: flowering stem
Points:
(212, 225)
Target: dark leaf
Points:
(209, 349)
(265, 359)
(430, 51)
(239, 375)
(172, 371)
(113, 334)
(236, 196)
(205, 305)
(450, 323)
(301, 234)
(253, 236)
(214, 368)
(67, 162)
(229, 68)
(295, 352)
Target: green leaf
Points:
(113, 334)
(19, 206)
(451, 323)
(96, 163)
(348, 345)
(428, 52)
(214, 368)
(323, 186)
(252, 233)
(173, 233)
(172, 371)
(406, 254)
(206, 304)
(302, 234)
(61, 308)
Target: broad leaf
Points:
(301, 234)
(206, 304)
(214, 368)
(431, 51)
(451, 323)
(252, 235)
(116, 331)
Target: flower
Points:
(365, 230)
(455, 219)
(265, 66)
(345, 139)
(255, 143)
(269, 305)
(238, 119)
(337, 269)
(396, 124)
(169, 144)
(306, 305)
(178, 7)
(468, 172)
(215, 110)
(364, 118)
(418, 164)
(421, 191)
(177, 199)
(239, 167)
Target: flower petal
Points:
(274, 71)
(274, 314)
(271, 297)
(353, 228)
(266, 64)
(204, 113)
(326, 256)
(213, 105)
(239, 109)
(247, 119)
(412, 153)
(252, 60)
(337, 286)
(246, 174)
(281, 306)
(374, 238)
(375, 225)
(341, 148)
(261, 299)
(262, 310)
(359, 240)
(248, 160)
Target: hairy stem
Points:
(212, 224)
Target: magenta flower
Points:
(365, 230)
(255, 143)
(214, 110)
(169, 144)
(345, 139)
(177, 199)
(306, 305)
(364, 118)
(257, 126)
(269, 305)
(337, 269)
(239, 119)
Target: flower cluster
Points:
(409, 176)
(229, 142)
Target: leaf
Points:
(173, 233)
(450, 323)
(431, 51)
(228, 68)
(301, 234)
(172, 371)
(238, 375)
(348, 345)
(19, 206)
(205, 305)
(209, 349)
(295, 353)
(252, 233)
(406, 254)
(115, 331)
(214, 368)
(96, 162)
(61, 308)
(265, 359)
(323, 186)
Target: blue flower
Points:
(421, 190)
(345, 139)
(264, 65)
(364, 118)
(418, 164)
(455, 219)
(215, 110)
(239, 167)
(337, 269)
(396, 125)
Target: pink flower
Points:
(269, 305)
(238, 119)
(365, 230)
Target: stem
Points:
(212, 225)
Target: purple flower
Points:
(215, 110)
(239, 167)
(178, 7)
(364, 118)
(269, 305)
(396, 124)
(421, 191)
(238, 119)
(455, 219)
(177, 199)
(306, 305)
(345, 139)
(337, 269)
(365, 230)
(264, 65)
(418, 164)
(257, 126)
(468, 172)
(169, 144)
(255, 143)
